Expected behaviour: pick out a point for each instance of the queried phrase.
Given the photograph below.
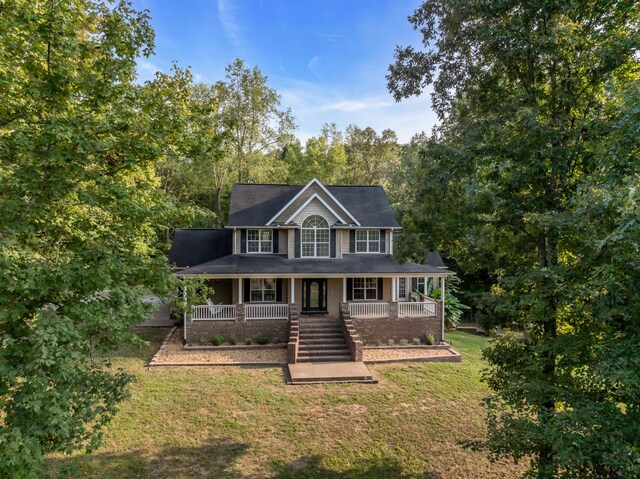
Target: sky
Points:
(326, 58)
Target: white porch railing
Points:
(215, 312)
(266, 311)
(417, 309)
(369, 310)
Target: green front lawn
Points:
(230, 422)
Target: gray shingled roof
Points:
(273, 264)
(256, 204)
(434, 259)
(191, 247)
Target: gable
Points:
(314, 207)
(313, 189)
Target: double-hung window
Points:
(367, 241)
(365, 288)
(263, 290)
(259, 241)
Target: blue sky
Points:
(326, 58)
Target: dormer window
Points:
(259, 241)
(315, 237)
(367, 241)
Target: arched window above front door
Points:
(315, 237)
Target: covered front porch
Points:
(261, 298)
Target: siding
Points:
(345, 241)
(291, 239)
(283, 241)
(315, 208)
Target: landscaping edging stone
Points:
(412, 346)
(455, 357)
(232, 347)
(162, 346)
(258, 365)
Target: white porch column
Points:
(442, 298)
(394, 289)
(426, 279)
(344, 290)
(292, 283)
(240, 292)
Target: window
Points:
(420, 285)
(365, 288)
(259, 241)
(263, 290)
(315, 237)
(367, 241)
(402, 289)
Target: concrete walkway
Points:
(323, 372)
(160, 319)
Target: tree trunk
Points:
(547, 251)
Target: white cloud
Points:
(312, 65)
(314, 104)
(228, 15)
(147, 70)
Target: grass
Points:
(231, 422)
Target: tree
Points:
(324, 158)
(79, 208)
(372, 158)
(252, 114)
(524, 92)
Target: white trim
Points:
(301, 275)
(315, 196)
(344, 289)
(442, 297)
(305, 188)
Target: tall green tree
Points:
(257, 124)
(524, 91)
(79, 207)
(372, 158)
(324, 158)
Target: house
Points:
(312, 266)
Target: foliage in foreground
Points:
(532, 183)
(79, 207)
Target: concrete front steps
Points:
(330, 372)
(322, 340)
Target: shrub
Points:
(391, 342)
(416, 341)
(404, 342)
(233, 340)
(248, 342)
(430, 339)
(262, 339)
(217, 340)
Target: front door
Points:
(314, 296)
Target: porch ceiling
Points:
(349, 265)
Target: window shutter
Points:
(243, 241)
(297, 243)
(414, 284)
(279, 290)
(275, 236)
(383, 248)
(349, 289)
(380, 285)
(246, 290)
(352, 241)
(332, 242)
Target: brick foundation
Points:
(374, 330)
(201, 332)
